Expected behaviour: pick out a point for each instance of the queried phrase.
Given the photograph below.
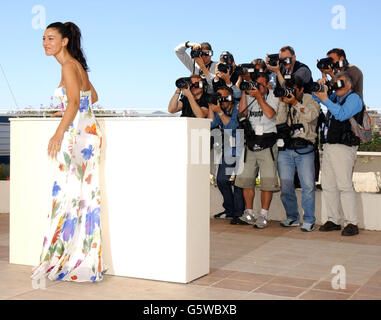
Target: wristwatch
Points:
(221, 113)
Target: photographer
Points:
(224, 113)
(337, 62)
(285, 66)
(190, 98)
(296, 121)
(257, 117)
(225, 75)
(340, 152)
(200, 62)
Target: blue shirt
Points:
(351, 107)
(232, 125)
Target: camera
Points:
(285, 61)
(317, 87)
(226, 57)
(244, 123)
(245, 69)
(215, 97)
(274, 58)
(284, 92)
(325, 63)
(198, 53)
(248, 85)
(182, 83)
(224, 67)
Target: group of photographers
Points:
(268, 115)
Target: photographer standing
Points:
(287, 66)
(191, 99)
(200, 62)
(257, 116)
(225, 75)
(296, 122)
(224, 113)
(339, 63)
(340, 152)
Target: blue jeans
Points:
(233, 200)
(287, 161)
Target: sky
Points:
(129, 45)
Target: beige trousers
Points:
(337, 171)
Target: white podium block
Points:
(155, 196)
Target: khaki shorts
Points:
(263, 162)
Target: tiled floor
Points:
(246, 263)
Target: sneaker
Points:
(307, 227)
(290, 223)
(223, 215)
(261, 222)
(247, 217)
(350, 230)
(238, 221)
(329, 226)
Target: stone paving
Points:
(246, 264)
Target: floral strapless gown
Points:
(72, 248)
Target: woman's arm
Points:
(94, 94)
(72, 85)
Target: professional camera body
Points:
(325, 63)
(274, 58)
(198, 53)
(245, 68)
(248, 85)
(286, 133)
(215, 97)
(224, 67)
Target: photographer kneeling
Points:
(296, 121)
(257, 117)
(223, 110)
(340, 151)
(190, 98)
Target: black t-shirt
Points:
(187, 111)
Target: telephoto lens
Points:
(280, 92)
(317, 87)
(248, 85)
(325, 63)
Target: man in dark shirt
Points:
(288, 66)
(194, 100)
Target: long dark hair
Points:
(71, 31)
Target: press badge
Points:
(259, 130)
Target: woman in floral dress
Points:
(72, 244)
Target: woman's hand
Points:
(55, 145)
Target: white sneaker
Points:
(248, 217)
(261, 222)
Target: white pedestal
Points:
(155, 202)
